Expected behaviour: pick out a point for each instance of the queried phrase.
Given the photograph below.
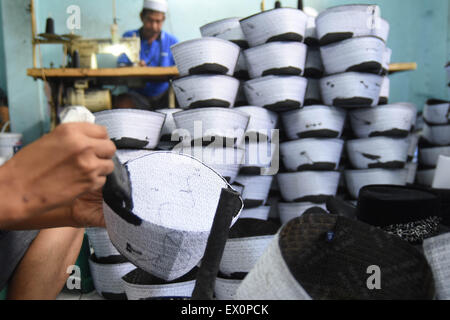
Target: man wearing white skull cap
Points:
(155, 52)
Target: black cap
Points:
(384, 205)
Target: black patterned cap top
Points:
(333, 257)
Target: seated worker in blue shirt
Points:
(155, 52)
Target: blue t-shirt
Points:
(156, 54)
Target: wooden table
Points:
(58, 79)
(110, 75)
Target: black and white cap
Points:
(164, 230)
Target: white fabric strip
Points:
(437, 252)
(241, 254)
(271, 279)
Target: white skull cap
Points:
(156, 5)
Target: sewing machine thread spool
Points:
(50, 26)
(76, 59)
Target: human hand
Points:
(87, 210)
(142, 63)
(61, 166)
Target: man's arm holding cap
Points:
(85, 211)
(54, 171)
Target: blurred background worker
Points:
(155, 52)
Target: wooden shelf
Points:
(50, 41)
(155, 73)
(160, 73)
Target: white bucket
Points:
(10, 143)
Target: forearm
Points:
(12, 210)
(20, 207)
(56, 218)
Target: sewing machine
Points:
(89, 48)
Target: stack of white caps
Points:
(354, 54)
(435, 139)
(229, 29)
(208, 86)
(384, 140)
(207, 65)
(313, 67)
(107, 275)
(355, 60)
(311, 158)
(213, 136)
(248, 239)
(107, 265)
(276, 58)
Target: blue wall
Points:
(2, 56)
(28, 111)
(419, 33)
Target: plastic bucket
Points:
(10, 143)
